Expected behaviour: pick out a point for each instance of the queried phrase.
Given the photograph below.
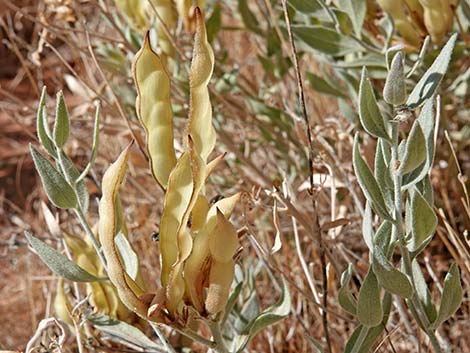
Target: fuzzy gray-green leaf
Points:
(60, 193)
(389, 277)
(368, 183)
(423, 220)
(325, 40)
(422, 292)
(61, 124)
(415, 150)
(451, 296)
(382, 171)
(369, 113)
(345, 297)
(369, 305)
(43, 127)
(427, 121)
(59, 263)
(356, 10)
(395, 89)
(427, 85)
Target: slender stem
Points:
(162, 338)
(195, 337)
(360, 340)
(89, 232)
(220, 347)
(414, 303)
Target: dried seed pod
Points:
(395, 9)
(220, 281)
(94, 290)
(437, 18)
(62, 307)
(196, 266)
(200, 110)
(128, 290)
(167, 18)
(223, 240)
(153, 107)
(199, 213)
(175, 291)
(395, 90)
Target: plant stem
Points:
(89, 232)
(162, 338)
(220, 347)
(414, 303)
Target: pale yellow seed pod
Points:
(199, 213)
(395, 9)
(199, 125)
(416, 12)
(197, 264)
(438, 18)
(94, 290)
(129, 292)
(220, 282)
(177, 198)
(153, 107)
(176, 290)
(185, 10)
(61, 303)
(223, 240)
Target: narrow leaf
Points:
(325, 40)
(427, 85)
(123, 331)
(61, 124)
(60, 193)
(368, 183)
(369, 304)
(43, 127)
(59, 263)
(321, 85)
(451, 296)
(423, 293)
(415, 150)
(369, 113)
(345, 297)
(423, 220)
(356, 10)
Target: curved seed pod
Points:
(223, 240)
(196, 265)
(111, 298)
(416, 13)
(127, 289)
(153, 107)
(220, 281)
(176, 288)
(395, 9)
(200, 110)
(177, 198)
(437, 17)
(62, 307)
(199, 213)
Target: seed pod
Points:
(153, 107)
(197, 264)
(395, 9)
(200, 126)
(220, 281)
(223, 240)
(416, 13)
(199, 213)
(128, 290)
(185, 10)
(94, 290)
(395, 90)
(437, 18)
(176, 289)
(62, 307)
